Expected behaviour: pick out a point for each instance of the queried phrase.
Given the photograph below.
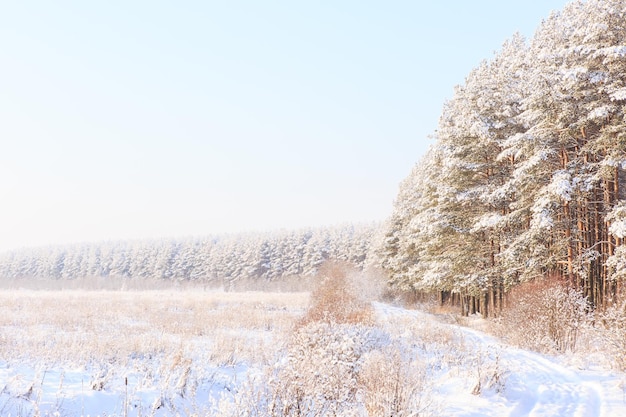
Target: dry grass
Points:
(79, 327)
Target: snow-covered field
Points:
(72, 353)
(185, 353)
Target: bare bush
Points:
(544, 316)
(394, 383)
(491, 374)
(337, 299)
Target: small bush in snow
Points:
(394, 383)
(337, 299)
(320, 373)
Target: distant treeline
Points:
(219, 260)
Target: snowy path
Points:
(534, 385)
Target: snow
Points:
(28, 390)
(617, 217)
(599, 113)
(614, 52)
(572, 74)
(561, 185)
(618, 95)
(618, 228)
(597, 77)
(488, 221)
(468, 374)
(542, 215)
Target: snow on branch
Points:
(617, 217)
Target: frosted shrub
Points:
(613, 332)
(318, 375)
(546, 317)
(393, 383)
(320, 372)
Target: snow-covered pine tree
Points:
(450, 221)
(532, 151)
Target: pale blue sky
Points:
(141, 119)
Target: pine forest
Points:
(526, 177)
(226, 261)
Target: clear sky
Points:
(144, 119)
